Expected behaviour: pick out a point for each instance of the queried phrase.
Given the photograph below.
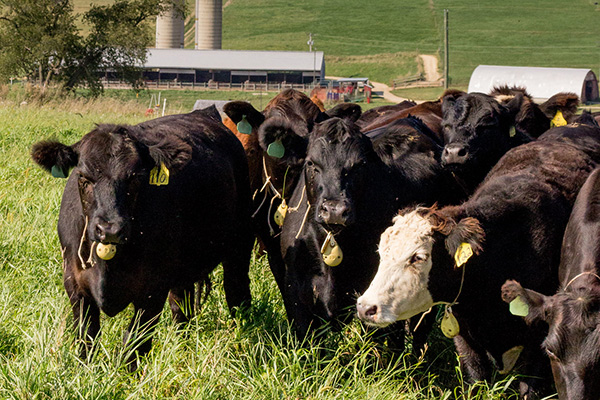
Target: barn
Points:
(233, 66)
(541, 83)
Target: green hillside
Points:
(381, 39)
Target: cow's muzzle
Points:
(455, 154)
(109, 232)
(335, 212)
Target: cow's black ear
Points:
(448, 103)
(239, 110)
(348, 111)
(515, 104)
(54, 157)
(467, 230)
(526, 303)
(284, 139)
(174, 153)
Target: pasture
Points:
(215, 357)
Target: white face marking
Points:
(399, 289)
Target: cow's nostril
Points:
(371, 311)
(100, 232)
(462, 152)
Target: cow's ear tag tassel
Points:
(280, 213)
(331, 251)
(463, 253)
(159, 177)
(276, 149)
(106, 251)
(244, 126)
(449, 324)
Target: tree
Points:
(40, 39)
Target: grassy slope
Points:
(213, 358)
(380, 39)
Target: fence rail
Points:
(415, 81)
(247, 86)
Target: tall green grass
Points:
(255, 356)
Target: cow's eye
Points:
(417, 258)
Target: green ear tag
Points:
(58, 172)
(518, 307)
(276, 149)
(244, 126)
(512, 132)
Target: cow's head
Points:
(406, 282)
(336, 170)
(529, 118)
(110, 164)
(573, 341)
(477, 132)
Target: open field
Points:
(214, 357)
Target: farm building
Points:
(234, 66)
(541, 83)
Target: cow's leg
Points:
(181, 302)
(138, 336)
(236, 267)
(537, 373)
(86, 315)
(473, 359)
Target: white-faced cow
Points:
(513, 227)
(147, 211)
(572, 314)
(348, 192)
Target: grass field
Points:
(214, 357)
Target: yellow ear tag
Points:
(518, 307)
(558, 120)
(463, 253)
(280, 213)
(449, 325)
(160, 176)
(509, 359)
(512, 132)
(106, 251)
(331, 251)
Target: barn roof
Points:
(234, 60)
(540, 82)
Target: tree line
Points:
(43, 40)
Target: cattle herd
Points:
(470, 202)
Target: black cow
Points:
(168, 231)
(512, 226)
(477, 132)
(349, 190)
(286, 121)
(573, 314)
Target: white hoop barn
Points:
(541, 83)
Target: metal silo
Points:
(170, 28)
(209, 16)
